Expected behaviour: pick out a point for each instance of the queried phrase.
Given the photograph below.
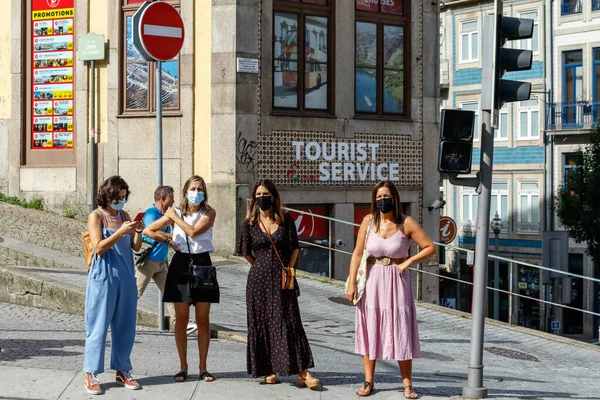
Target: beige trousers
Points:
(157, 271)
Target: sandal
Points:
(181, 376)
(271, 379)
(366, 385)
(411, 392)
(205, 375)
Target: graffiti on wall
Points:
(246, 153)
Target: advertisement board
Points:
(52, 74)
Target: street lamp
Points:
(496, 227)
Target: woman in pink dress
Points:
(386, 318)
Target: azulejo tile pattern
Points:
(396, 157)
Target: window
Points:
(501, 134)
(571, 7)
(499, 203)
(382, 73)
(469, 210)
(469, 42)
(532, 44)
(473, 106)
(529, 207)
(596, 87)
(138, 84)
(572, 88)
(570, 164)
(529, 119)
(301, 46)
(595, 5)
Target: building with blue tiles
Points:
(518, 189)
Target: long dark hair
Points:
(277, 213)
(185, 205)
(110, 189)
(398, 217)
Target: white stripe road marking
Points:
(159, 30)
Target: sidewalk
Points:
(42, 267)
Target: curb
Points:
(33, 290)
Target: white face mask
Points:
(118, 204)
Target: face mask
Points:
(264, 202)
(117, 204)
(385, 205)
(195, 198)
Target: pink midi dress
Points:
(386, 317)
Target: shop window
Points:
(138, 82)
(301, 47)
(313, 231)
(382, 72)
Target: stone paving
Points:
(48, 346)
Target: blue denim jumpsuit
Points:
(111, 300)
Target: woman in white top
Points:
(192, 234)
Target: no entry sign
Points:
(157, 31)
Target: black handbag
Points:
(141, 255)
(201, 277)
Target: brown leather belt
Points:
(385, 260)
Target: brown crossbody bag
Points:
(288, 274)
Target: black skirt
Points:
(177, 287)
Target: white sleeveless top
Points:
(200, 243)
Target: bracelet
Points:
(140, 231)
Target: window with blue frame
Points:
(572, 89)
(596, 87)
(571, 7)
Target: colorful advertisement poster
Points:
(52, 74)
(42, 108)
(387, 6)
(53, 59)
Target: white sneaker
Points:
(191, 328)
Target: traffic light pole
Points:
(475, 388)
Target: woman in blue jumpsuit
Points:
(111, 294)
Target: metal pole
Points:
(159, 167)
(496, 280)
(474, 388)
(510, 296)
(93, 162)
(330, 246)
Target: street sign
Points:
(157, 31)
(91, 47)
(447, 230)
(555, 325)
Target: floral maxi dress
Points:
(277, 343)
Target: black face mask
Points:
(385, 204)
(264, 202)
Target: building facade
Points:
(518, 191)
(573, 108)
(325, 97)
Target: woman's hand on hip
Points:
(403, 267)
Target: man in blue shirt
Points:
(156, 264)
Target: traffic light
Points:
(456, 141)
(498, 30)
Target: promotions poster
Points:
(52, 74)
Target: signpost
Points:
(91, 48)
(158, 35)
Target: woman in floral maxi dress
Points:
(277, 343)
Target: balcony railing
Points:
(571, 7)
(467, 226)
(565, 116)
(595, 5)
(528, 227)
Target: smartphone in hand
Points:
(139, 216)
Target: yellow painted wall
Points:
(98, 23)
(202, 89)
(5, 77)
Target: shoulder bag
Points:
(361, 276)
(142, 254)
(201, 277)
(288, 274)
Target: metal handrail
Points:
(452, 247)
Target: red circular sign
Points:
(447, 230)
(161, 31)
